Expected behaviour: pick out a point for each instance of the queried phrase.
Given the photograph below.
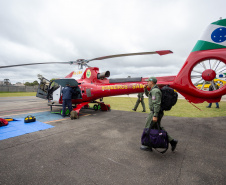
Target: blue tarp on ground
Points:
(17, 128)
(44, 116)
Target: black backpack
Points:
(169, 98)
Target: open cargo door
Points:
(43, 88)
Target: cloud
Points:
(65, 30)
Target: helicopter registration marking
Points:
(136, 86)
(77, 72)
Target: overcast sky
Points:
(64, 30)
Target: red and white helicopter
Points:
(206, 61)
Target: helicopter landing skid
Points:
(102, 106)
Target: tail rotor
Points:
(204, 72)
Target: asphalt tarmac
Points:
(103, 148)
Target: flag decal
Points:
(214, 37)
(219, 35)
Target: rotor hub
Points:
(208, 75)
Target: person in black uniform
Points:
(66, 97)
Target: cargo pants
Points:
(138, 102)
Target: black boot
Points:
(146, 148)
(173, 144)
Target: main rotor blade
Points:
(162, 52)
(34, 64)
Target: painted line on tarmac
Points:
(17, 110)
(22, 113)
(65, 119)
(56, 120)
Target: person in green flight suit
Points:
(156, 114)
(140, 99)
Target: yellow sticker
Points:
(88, 73)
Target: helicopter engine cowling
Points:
(103, 75)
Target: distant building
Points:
(19, 84)
(1, 83)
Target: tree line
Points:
(31, 83)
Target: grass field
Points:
(12, 94)
(181, 109)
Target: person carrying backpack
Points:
(156, 114)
